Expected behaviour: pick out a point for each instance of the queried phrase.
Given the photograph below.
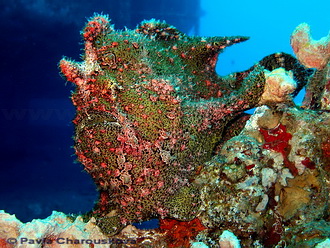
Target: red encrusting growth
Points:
(4, 243)
(69, 70)
(94, 27)
(277, 139)
(180, 233)
(325, 146)
(308, 163)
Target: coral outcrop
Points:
(272, 180)
(273, 175)
(61, 231)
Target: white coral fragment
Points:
(229, 240)
(324, 244)
(262, 205)
(268, 177)
(279, 85)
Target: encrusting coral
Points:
(268, 176)
(272, 180)
(163, 136)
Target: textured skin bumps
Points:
(150, 111)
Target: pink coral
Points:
(311, 53)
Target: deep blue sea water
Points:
(38, 172)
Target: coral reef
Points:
(163, 136)
(272, 180)
(59, 230)
(55, 231)
(273, 175)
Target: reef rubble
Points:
(163, 136)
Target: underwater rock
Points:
(55, 231)
(312, 234)
(272, 176)
(62, 231)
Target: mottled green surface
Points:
(150, 112)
